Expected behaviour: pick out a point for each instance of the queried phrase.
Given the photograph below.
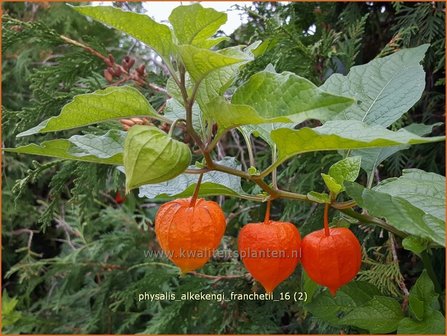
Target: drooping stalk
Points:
(267, 213)
(196, 192)
(274, 172)
(176, 121)
(326, 220)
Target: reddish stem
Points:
(267, 213)
(196, 191)
(326, 220)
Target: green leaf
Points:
(195, 25)
(332, 184)
(101, 146)
(386, 88)
(228, 115)
(156, 35)
(102, 105)
(398, 213)
(432, 325)
(332, 309)
(215, 83)
(417, 308)
(288, 95)
(201, 62)
(340, 134)
(346, 170)
(318, 197)
(379, 315)
(415, 244)
(151, 156)
(373, 157)
(423, 190)
(423, 299)
(218, 81)
(214, 183)
(92, 148)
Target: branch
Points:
(85, 47)
(216, 277)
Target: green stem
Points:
(326, 220)
(274, 171)
(270, 168)
(176, 121)
(214, 142)
(373, 220)
(249, 149)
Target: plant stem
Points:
(249, 149)
(213, 143)
(274, 172)
(373, 220)
(176, 121)
(267, 212)
(196, 192)
(326, 219)
(270, 168)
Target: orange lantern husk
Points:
(189, 230)
(270, 250)
(331, 257)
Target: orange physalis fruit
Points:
(269, 250)
(189, 231)
(332, 256)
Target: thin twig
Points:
(216, 277)
(401, 284)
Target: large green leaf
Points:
(195, 25)
(201, 62)
(214, 183)
(423, 298)
(106, 149)
(373, 157)
(423, 190)
(423, 307)
(386, 88)
(340, 134)
(228, 115)
(432, 325)
(156, 35)
(152, 156)
(102, 105)
(101, 146)
(286, 94)
(332, 309)
(398, 213)
(380, 315)
(218, 81)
